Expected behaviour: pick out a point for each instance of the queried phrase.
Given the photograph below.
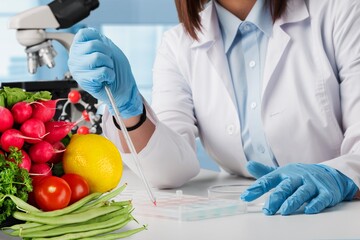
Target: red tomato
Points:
(37, 179)
(52, 193)
(31, 199)
(78, 185)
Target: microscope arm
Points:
(35, 36)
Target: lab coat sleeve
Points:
(347, 50)
(169, 159)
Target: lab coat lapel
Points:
(211, 41)
(217, 57)
(276, 48)
(279, 41)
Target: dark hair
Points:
(188, 13)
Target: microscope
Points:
(32, 31)
(31, 26)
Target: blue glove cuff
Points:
(133, 107)
(347, 185)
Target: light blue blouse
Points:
(245, 45)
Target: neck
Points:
(240, 8)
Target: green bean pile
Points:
(94, 217)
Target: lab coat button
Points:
(252, 64)
(261, 148)
(230, 129)
(253, 105)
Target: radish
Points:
(42, 152)
(26, 162)
(40, 169)
(44, 110)
(59, 147)
(6, 119)
(33, 128)
(57, 130)
(21, 112)
(11, 138)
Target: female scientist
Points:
(271, 87)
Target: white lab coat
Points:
(310, 95)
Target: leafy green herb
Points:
(2, 99)
(42, 95)
(10, 96)
(13, 180)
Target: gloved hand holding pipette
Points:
(318, 185)
(103, 70)
(94, 60)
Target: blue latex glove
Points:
(94, 61)
(295, 184)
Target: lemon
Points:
(96, 159)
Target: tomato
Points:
(74, 96)
(37, 179)
(52, 193)
(78, 185)
(31, 199)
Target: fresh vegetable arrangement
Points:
(49, 177)
(92, 217)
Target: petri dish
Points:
(233, 192)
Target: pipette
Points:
(130, 145)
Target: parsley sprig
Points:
(13, 180)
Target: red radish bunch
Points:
(29, 127)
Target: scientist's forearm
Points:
(140, 136)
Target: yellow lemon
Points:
(96, 159)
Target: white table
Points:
(340, 222)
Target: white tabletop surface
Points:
(339, 222)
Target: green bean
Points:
(24, 226)
(94, 220)
(87, 233)
(74, 228)
(109, 215)
(21, 231)
(114, 236)
(70, 208)
(100, 204)
(66, 219)
(106, 197)
(22, 205)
